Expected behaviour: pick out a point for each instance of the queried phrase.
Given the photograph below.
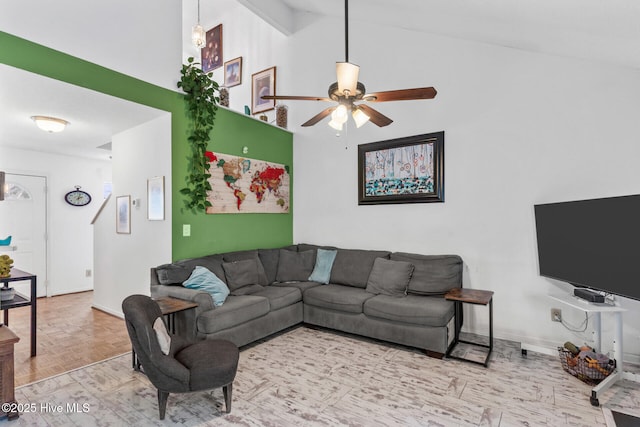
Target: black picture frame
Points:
(402, 170)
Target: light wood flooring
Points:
(70, 334)
(309, 377)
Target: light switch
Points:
(186, 230)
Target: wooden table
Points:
(20, 300)
(169, 307)
(470, 296)
(7, 389)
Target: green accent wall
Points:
(232, 131)
(227, 232)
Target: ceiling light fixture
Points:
(198, 36)
(50, 124)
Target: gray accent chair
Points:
(189, 366)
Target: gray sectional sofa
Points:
(391, 296)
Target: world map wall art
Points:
(242, 185)
(403, 170)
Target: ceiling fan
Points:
(349, 94)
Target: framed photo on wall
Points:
(123, 214)
(233, 72)
(263, 83)
(155, 198)
(211, 53)
(404, 170)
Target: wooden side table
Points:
(169, 307)
(7, 389)
(470, 296)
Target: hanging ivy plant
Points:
(202, 102)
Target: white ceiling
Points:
(600, 30)
(93, 117)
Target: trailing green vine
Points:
(202, 103)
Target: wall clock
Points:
(77, 197)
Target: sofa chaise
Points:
(392, 296)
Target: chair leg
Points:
(227, 391)
(162, 402)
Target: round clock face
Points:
(77, 198)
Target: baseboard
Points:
(71, 291)
(108, 311)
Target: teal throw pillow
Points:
(202, 279)
(324, 262)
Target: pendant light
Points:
(198, 36)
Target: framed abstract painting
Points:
(403, 170)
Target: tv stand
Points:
(596, 309)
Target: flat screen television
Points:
(592, 243)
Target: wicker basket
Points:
(590, 372)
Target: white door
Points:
(23, 216)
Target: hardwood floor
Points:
(70, 335)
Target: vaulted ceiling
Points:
(597, 30)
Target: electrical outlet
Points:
(556, 315)
(186, 230)
(87, 273)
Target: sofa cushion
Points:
(202, 279)
(352, 266)
(295, 266)
(269, 259)
(280, 296)
(247, 290)
(176, 273)
(337, 297)
(413, 309)
(242, 273)
(432, 274)
(303, 286)
(235, 311)
(389, 277)
(324, 262)
(172, 274)
(245, 255)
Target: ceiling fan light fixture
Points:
(50, 124)
(360, 117)
(347, 78)
(340, 114)
(335, 124)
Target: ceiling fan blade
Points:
(297, 98)
(376, 117)
(402, 95)
(321, 115)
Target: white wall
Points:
(246, 35)
(520, 128)
(69, 228)
(140, 38)
(122, 261)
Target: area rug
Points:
(311, 377)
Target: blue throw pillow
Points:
(204, 280)
(324, 262)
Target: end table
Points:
(470, 296)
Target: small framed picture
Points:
(233, 72)
(211, 53)
(263, 83)
(123, 214)
(155, 198)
